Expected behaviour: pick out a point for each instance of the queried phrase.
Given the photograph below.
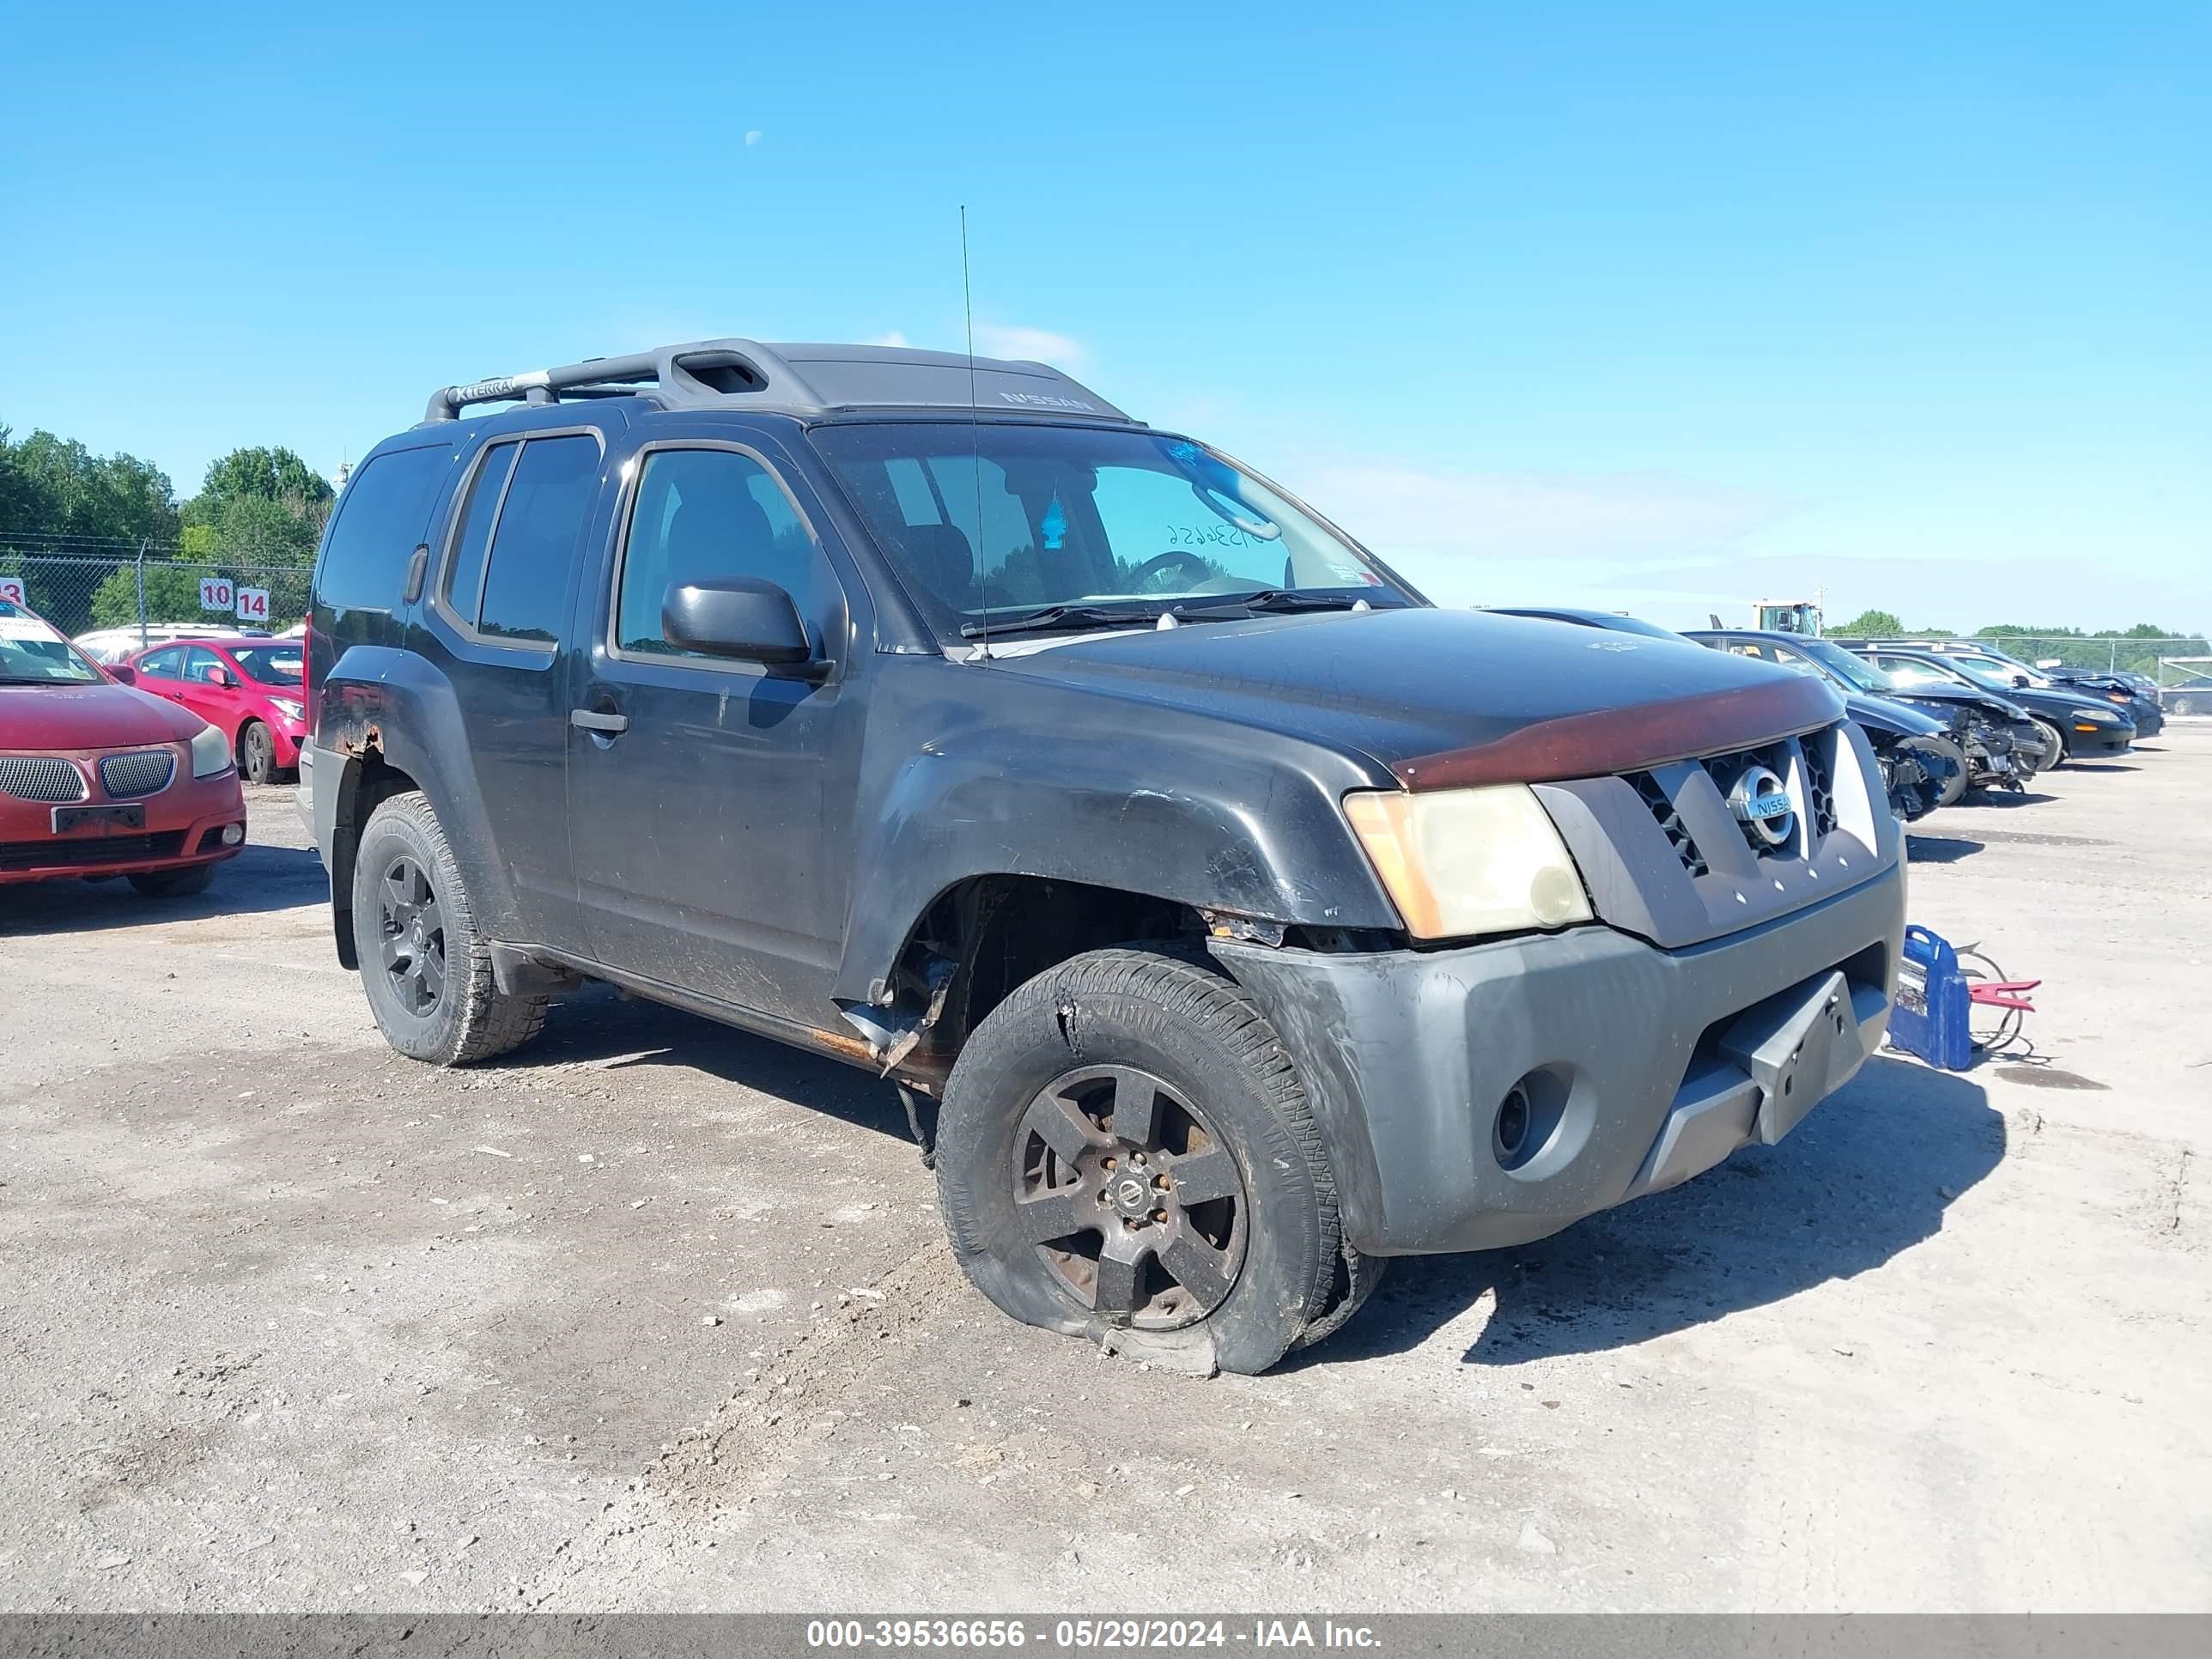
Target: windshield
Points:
(31, 654)
(1018, 518)
(1997, 674)
(1855, 671)
(270, 664)
(1989, 674)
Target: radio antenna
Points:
(976, 444)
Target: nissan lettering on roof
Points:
(1046, 400)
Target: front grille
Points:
(147, 773)
(1820, 782)
(62, 853)
(1670, 822)
(40, 777)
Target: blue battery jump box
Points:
(1934, 1007)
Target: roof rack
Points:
(801, 379)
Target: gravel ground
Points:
(656, 1314)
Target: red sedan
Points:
(98, 780)
(246, 686)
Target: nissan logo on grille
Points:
(1761, 804)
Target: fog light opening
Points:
(1512, 1131)
(233, 834)
(1530, 1132)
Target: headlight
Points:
(1461, 862)
(294, 712)
(210, 753)
(2099, 716)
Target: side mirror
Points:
(126, 672)
(2020, 679)
(223, 678)
(744, 618)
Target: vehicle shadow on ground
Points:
(259, 879)
(2003, 799)
(1939, 849)
(2101, 766)
(1867, 1176)
(596, 1025)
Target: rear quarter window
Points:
(525, 583)
(379, 524)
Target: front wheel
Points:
(1126, 1153)
(425, 966)
(2054, 745)
(256, 753)
(1953, 787)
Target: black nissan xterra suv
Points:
(1229, 917)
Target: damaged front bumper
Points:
(1491, 1094)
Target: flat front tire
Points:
(425, 966)
(1126, 1153)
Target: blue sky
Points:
(1618, 307)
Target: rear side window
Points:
(533, 544)
(464, 578)
(379, 525)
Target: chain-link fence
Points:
(2179, 665)
(128, 601)
(2106, 654)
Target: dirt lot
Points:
(656, 1314)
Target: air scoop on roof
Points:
(790, 378)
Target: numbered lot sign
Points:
(11, 590)
(254, 604)
(216, 594)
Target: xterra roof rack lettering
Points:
(1237, 925)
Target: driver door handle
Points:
(591, 720)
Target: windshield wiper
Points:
(1227, 606)
(1046, 618)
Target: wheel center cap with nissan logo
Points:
(1761, 804)
(1132, 1196)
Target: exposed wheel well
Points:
(365, 783)
(985, 936)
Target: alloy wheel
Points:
(1135, 1204)
(413, 947)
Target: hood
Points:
(1894, 719)
(1987, 704)
(1415, 686)
(104, 715)
(2061, 704)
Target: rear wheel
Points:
(174, 884)
(1126, 1153)
(425, 966)
(257, 752)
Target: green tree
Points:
(268, 474)
(55, 491)
(258, 505)
(250, 529)
(1868, 625)
(173, 594)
